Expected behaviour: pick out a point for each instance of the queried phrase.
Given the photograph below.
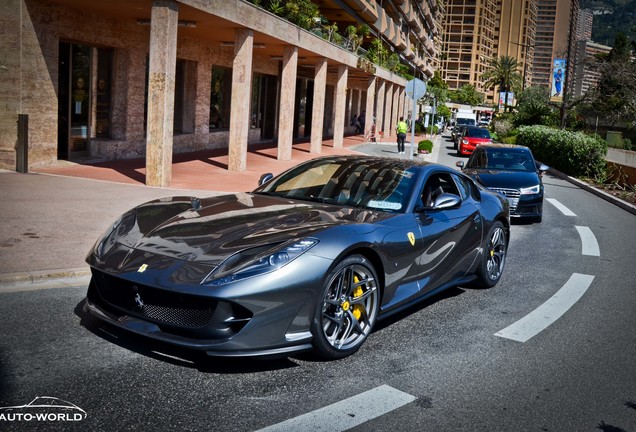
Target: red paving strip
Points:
(204, 170)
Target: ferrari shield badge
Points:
(142, 268)
(411, 238)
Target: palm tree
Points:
(503, 73)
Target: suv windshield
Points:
(502, 159)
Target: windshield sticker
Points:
(385, 205)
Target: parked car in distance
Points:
(472, 137)
(512, 171)
(458, 135)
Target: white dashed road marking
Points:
(589, 245)
(347, 413)
(540, 318)
(566, 211)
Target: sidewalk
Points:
(52, 216)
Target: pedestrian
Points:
(355, 121)
(401, 129)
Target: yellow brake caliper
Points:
(357, 308)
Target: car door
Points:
(450, 237)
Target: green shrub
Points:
(425, 145)
(627, 144)
(419, 128)
(510, 139)
(573, 153)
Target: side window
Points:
(478, 159)
(464, 187)
(437, 184)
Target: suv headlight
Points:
(530, 190)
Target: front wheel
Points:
(347, 310)
(493, 258)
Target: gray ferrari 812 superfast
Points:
(310, 260)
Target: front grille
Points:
(160, 306)
(511, 194)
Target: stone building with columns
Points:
(118, 79)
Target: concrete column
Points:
(402, 111)
(368, 119)
(395, 116)
(379, 110)
(339, 103)
(161, 81)
(241, 97)
(287, 98)
(388, 124)
(318, 113)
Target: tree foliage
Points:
(502, 72)
(466, 94)
(614, 97)
(533, 108)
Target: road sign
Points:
(416, 88)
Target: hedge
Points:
(573, 153)
(425, 145)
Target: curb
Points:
(598, 192)
(33, 277)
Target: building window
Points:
(220, 98)
(184, 96)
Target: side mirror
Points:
(460, 164)
(265, 178)
(445, 201)
(542, 169)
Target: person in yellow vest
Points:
(401, 129)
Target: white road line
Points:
(589, 245)
(566, 211)
(347, 413)
(540, 318)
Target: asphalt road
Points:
(437, 367)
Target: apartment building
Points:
(149, 78)
(586, 75)
(551, 37)
(468, 41)
(516, 34)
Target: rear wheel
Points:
(493, 259)
(347, 310)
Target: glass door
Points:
(74, 100)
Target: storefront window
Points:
(103, 92)
(220, 98)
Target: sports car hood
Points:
(209, 230)
(504, 179)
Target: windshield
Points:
(477, 133)
(465, 122)
(502, 159)
(357, 182)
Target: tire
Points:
(493, 259)
(347, 308)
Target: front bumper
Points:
(262, 316)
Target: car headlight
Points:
(256, 261)
(119, 228)
(530, 190)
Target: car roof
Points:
(502, 145)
